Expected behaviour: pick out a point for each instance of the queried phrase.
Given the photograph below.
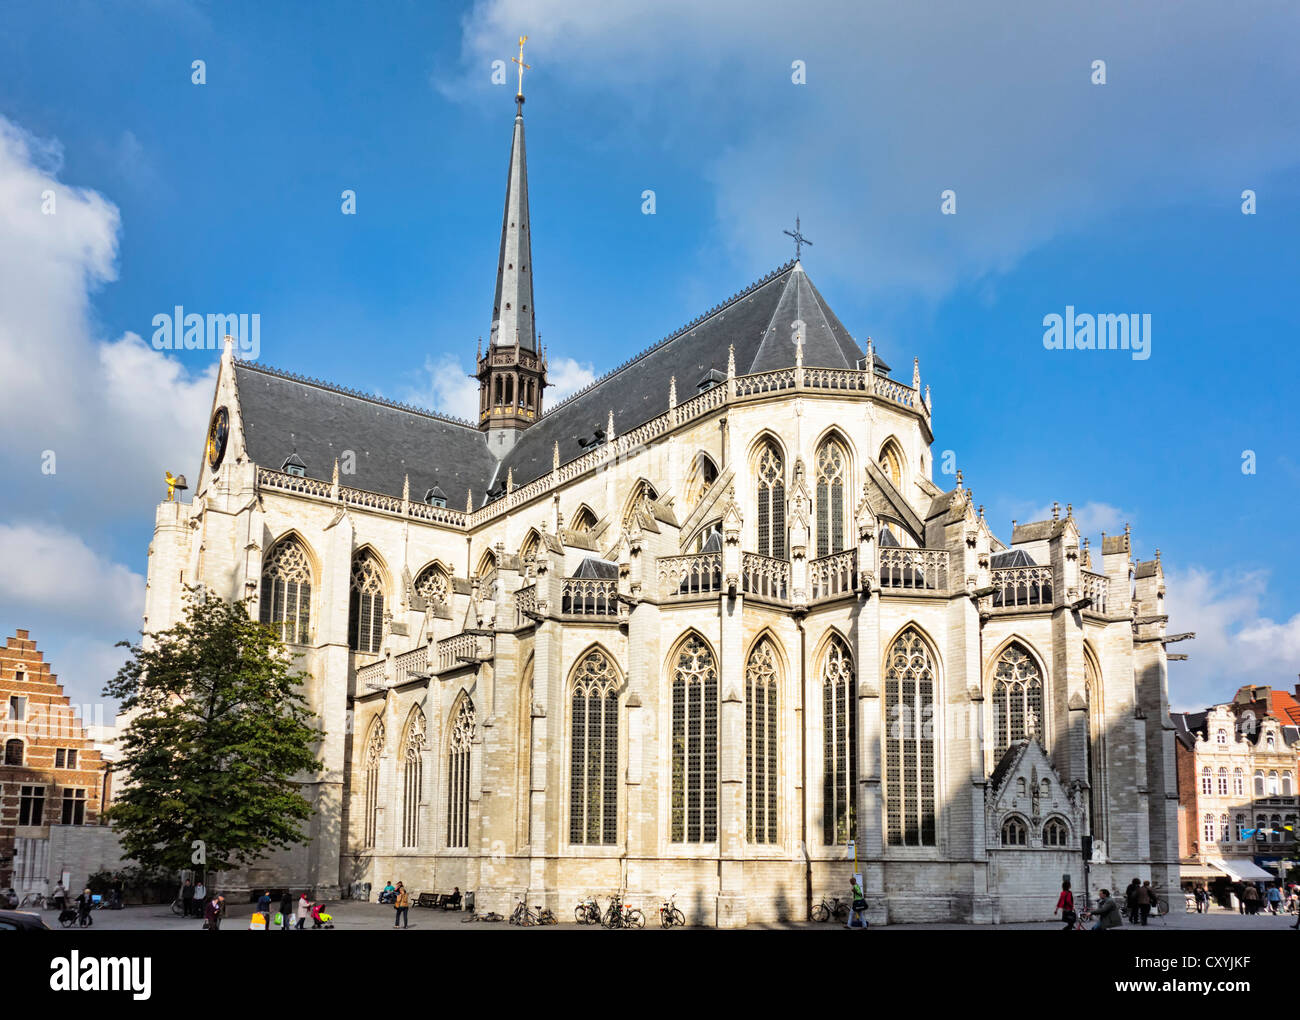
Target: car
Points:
(22, 920)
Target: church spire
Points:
(511, 373)
(512, 306)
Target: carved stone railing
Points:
(1095, 587)
(690, 576)
(372, 675)
(413, 662)
(912, 569)
(1020, 587)
(833, 575)
(589, 596)
(462, 648)
(526, 604)
(740, 388)
(765, 577)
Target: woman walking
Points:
(1065, 904)
(304, 911)
(286, 910)
(402, 901)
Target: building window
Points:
(1272, 783)
(74, 807)
(374, 752)
(1275, 824)
(31, 805)
(413, 748)
(458, 765)
(1259, 782)
(13, 752)
(760, 743)
(1225, 829)
(832, 469)
(65, 758)
(1017, 699)
(1055, 833)
(1209, 828)
(1238, 783)
(769, 469)
(1207, 781)
(1221, 737)
(1241, 824)
(909, 742)
(839, 745)
(432, 585)
(366, 607)
(1014, 832)
(1261, 823)
(891, 460)
(1223, 782)
(17, 704)
(1286, 784)
(695, 744)
(286, 592)
(593, 765)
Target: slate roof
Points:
(1011, 558)
(283, 413)
(1187, 725)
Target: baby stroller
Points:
(320, 919)
(68, 917)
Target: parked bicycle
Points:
(620, 915)
(526, 916)
(488, 916)
(34, 900)
(835, 908)
(669, 915)
(587, 912)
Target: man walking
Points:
(1142, 896)
(857, 905)
(187, 899)
(264, 907)
(286, 910)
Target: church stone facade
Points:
(696, 629)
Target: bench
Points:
(428, 899)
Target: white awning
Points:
(1241, 870)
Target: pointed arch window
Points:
(891, 462)
(374, 752)
(432, 585)
(832, 472)
(459, 748)
(413, 748)
(1015, 832)
(638, 505)
(839, 744)
(695, 744)
(703, 474)
(593, 775)
(769, 469)
(1017, 699)
(285, 603)
(760, 743)
(909, 742)
(366, 606)
(1055, 833)
(584, 520)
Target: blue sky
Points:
(1122, 197)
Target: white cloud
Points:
(48, 569)
(1235, 642)
(996, 104)
(567, 376)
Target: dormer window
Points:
(294, 465)
(711, 379)
(435, 497)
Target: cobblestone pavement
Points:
(371, 916)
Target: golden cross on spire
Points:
(520, 61)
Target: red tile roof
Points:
(1286, 707)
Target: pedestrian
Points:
(1239, 890)
(1130, 899)
(1251, 896)
(60, 896)
(212, 914)
(187, 899)
(1274, 899)
(200, 896)
(1065, 904)
(286, 909)
(11, 899)
(1202, 900)
(304, 911)
(84, 904)
(857, 905)
(402, 903)
(264, 908)
(1107, 912)
(1142, 896)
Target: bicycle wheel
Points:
(580, 915)
(635, 919)
(178, 907)
(678, 917)
(821, 913)
(841, 911)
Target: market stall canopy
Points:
(1242, 870)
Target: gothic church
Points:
(698, 629)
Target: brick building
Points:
(50, 773)
(1237, 785)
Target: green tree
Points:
(219, 740)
